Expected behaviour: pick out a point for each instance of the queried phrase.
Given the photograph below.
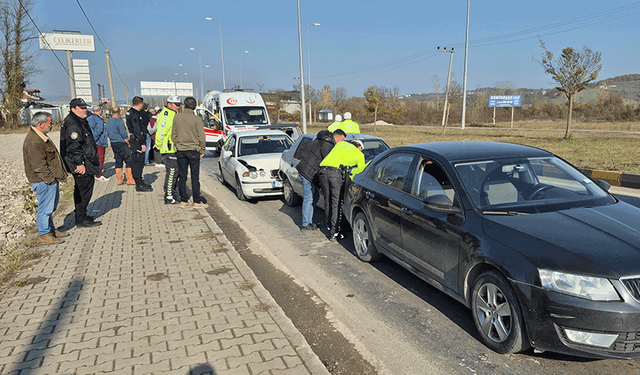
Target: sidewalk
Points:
(155, 290)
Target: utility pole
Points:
(113, 98)
(303, 114)
(446, 95)
(466, 53)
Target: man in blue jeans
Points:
(188, 137)
(44, 170)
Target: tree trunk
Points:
(567, 133)
(375, 118)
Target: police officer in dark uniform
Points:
(80, 155)
(137, 126)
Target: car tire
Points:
(496, 314)
(290, 196)
(239, 192)
(363, 239)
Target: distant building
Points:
(325, 115)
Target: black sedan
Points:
(542, 255)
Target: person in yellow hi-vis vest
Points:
(333, 173)
(164, 143)
(348, 125)
(336, 124)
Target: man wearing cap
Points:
(164, 143)
(44, 170)
(332, 176)
(96, 123)
(80, 156)
(348, 125)
(137, 141)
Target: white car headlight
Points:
(589, 287)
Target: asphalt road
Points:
(363, 318)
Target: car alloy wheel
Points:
(362, 239)
(497, 315)
(290, 197)
(239, 192)
(222, 179)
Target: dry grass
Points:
(599, 146)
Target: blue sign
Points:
(505, 101)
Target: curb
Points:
(627, 180)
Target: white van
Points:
(236, 110)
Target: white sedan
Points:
(250, 161)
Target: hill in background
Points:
(627, 86)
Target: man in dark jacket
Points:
(308, 167)
(80, 155)
(137, 126)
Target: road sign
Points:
(505, 101)
(67, 42)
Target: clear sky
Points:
(359, 43)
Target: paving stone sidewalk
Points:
(157, 289)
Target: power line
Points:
(100, 39)
(424, 55)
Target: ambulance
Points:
(229, 111)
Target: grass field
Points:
(600, 146)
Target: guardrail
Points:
(627, 180)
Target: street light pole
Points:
(309, 66)
(241, 54)
(303, 113)
(201, 82)
(466, 52)
(224, 83)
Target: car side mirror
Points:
(226, 153)
(603, 184)
(440, 203)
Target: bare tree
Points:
(339, 97)
(17, 63)
(573, 70)
(436, 89)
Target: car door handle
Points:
(407, 211)
(369, 194)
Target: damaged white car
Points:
(250, 161)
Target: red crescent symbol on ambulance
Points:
(232, 101)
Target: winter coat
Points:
(317, 150)
(77, 145)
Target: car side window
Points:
(430, 180)
(231, 144)
(394, 171)
(304, 143)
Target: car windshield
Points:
(245, 116)
(263, 144)
(528, 185)
(373, 147)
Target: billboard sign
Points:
(505, 101)
(82, 79)
(150, 88)
(67, 42)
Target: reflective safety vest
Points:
(349, 126)
(333, 127)
(164, 123)
(345, 153)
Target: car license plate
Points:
(277, 184)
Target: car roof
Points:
(349, 136)
(457, 151)
(245, 133)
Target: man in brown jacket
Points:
(44, 170)
(188, 137)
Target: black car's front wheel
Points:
(496, 314)
(363, 239)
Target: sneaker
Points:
(102, 178)
(144, 188)
(170, 200)
(160, 165)
(200, 205)
(184, 204)
(336, 236)
(50, 239)
(310, 226)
